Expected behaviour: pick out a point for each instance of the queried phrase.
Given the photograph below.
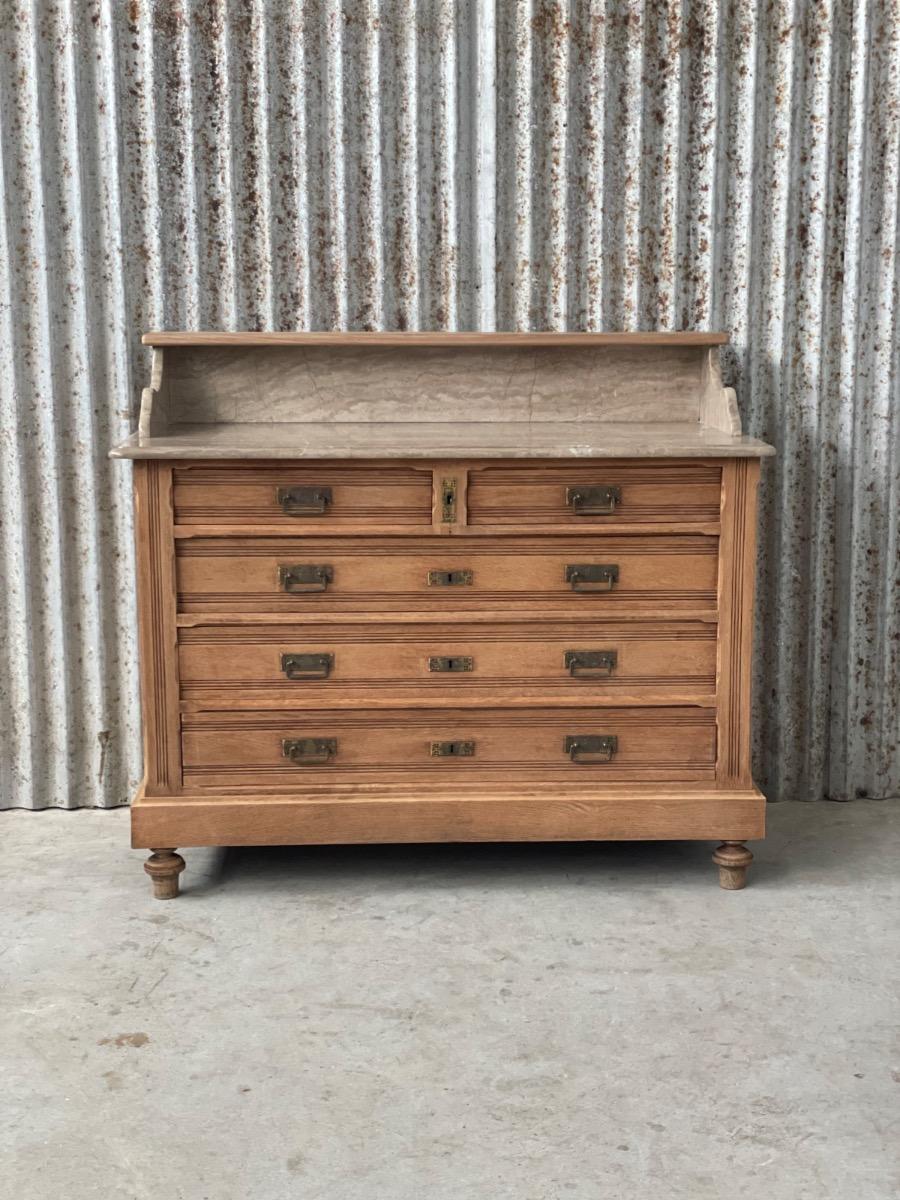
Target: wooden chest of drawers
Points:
(366, 631)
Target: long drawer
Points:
(285, 749)
(595, 495)
(596, 576)
(329, 497)
(317, 499)
(286, 666)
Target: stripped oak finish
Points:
(432, 649)
(216, 626)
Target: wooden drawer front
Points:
(665, 575)
(350, 497)
(251, 749)
(284, 666)
(671, 495)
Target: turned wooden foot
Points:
(164, 867)
(732, 859)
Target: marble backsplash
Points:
(210, 385)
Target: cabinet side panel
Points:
(737, 576)
(156, 627)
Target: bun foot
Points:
(732, 859)
(164, 867)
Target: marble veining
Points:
(405, 439)
(290, 383)
(488, 401)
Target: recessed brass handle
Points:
(588, 748)
(592, 577)
(593, 501)
(450, 578)
(307, 666)
(591, 664)
(452, 749)
(305, 577)
(309, 752)
(303, 501)
(454, 664)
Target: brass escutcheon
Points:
(450, 578)
(452, 749)
(448, 500)
(454, 664)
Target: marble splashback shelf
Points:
(406, 439)
(396, 395)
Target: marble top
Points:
(473, 439)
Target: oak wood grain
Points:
(224, 749)
(215, 622)
(650, 493)
(737, 577)
(513, 663)
(427, 814)
(655, 574)
(364, 499)
(155, 554)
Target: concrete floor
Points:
(453, 1023)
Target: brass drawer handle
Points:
(309, 752)
(454, 664)
(305, 577)
(307, 666)
(591, 664)
(588, 748)
(592, 577)
(452, 749)
(303, 501)
(593, 501)
(450, 578)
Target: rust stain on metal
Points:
(184, 163)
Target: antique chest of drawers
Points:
(443, 587)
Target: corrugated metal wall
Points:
(600, 164)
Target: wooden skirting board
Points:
(335, 815)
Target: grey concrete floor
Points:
(457, 1023)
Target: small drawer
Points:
(667, 495)
(517, 663)
(285, 750)
(593, 577)
(328, 497)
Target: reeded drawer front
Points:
(318, 498)
(595, 494)
(283, 749)
(593, 577)
(274, 666)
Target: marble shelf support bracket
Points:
(154, 416)
(718, 404)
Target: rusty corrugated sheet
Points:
(452, 165)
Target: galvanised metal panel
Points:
(391, 164)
